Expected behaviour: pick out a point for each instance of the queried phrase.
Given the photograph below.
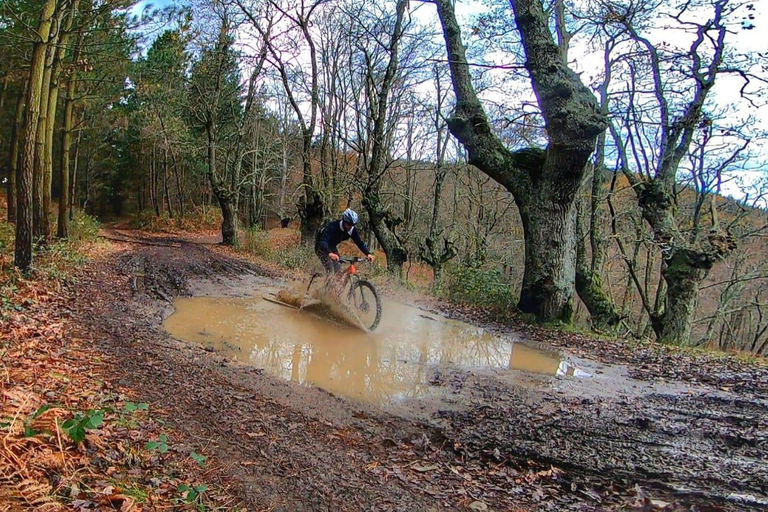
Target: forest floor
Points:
(653, 428)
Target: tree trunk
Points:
(62, 230)
(166, 188)
(176, 166)
(589, 280)
(13, 156)
(589, 275)
(685, 264)
(229, 220)
(59, 54)
(683, 282)
(53, 99)
(550, 250)
(40, 222)
(382, 224)
(589, 285)
(436, 251)
(24, 217)
(389, 241)
(179, 188)
(683, 273)
(311, 208)
(73, 181)
(153, 179)
(544, 183)
(228, 213)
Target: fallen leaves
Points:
(63, 426)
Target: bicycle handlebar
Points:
(344, 259)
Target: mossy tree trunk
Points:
(544, 182)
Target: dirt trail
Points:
(490, 440)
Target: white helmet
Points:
(350, 216)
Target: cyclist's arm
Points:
(324, 242)
(359, 243)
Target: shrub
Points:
(83, 227)
(484, 287)
(257, 242)
(194, 220)
(7, 234)
(297, 257)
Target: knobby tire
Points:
(356, 295)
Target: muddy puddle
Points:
(396, 362)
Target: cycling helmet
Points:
(349, 216)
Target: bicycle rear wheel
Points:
(367, 305)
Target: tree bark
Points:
(228, 213)
(166, 187)
(40, 227)
(153, 179)
(13, 155)
(436, 251)
(544, 183)
(589, 274)
(311, 205)
(24, 217)
(73, 181)
(62, 230)
(549, 229)
(229, 220)
(176, 166)
(53, 99)
(311, 209)
(589, 285)
(683, 272)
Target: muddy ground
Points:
(650, 430)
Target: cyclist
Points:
(335, 232)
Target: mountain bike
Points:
(361, 295)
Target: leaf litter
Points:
(71, 438)
(270, 446)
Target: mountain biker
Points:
(335, 232)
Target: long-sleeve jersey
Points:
(333, 234)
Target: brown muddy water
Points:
(395, 362)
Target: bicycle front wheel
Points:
(367, 305)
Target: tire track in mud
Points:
(695, 450)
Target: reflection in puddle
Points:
(394, 362)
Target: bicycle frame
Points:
(345, 276)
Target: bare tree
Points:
(544, 182)
(300, 85)
(436, 250)
(668, 140)
(381, 55)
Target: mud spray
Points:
(321, 300)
